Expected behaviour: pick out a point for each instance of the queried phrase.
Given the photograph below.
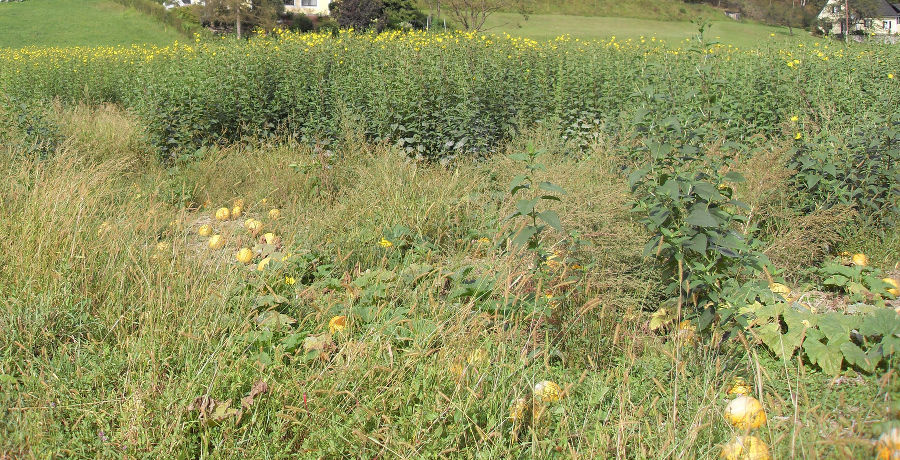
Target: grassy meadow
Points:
(436, 226)
(78, 23)
(550, 26)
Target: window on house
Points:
(308, 2)
(289, 2)
(886, 25)
(835, 9)
(185, 2)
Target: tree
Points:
(472, 14)
(377, 14)
(243, 13)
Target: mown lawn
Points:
(77, 23)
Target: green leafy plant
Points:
(829, 340)
(689, 210)
(859, 283)
(531, 193)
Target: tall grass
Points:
(107, 340)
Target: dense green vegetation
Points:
(460, 218)
(78, 23)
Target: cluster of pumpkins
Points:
(254, 226)
(545, 393)
(745, 413)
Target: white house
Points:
(307, 6)
(885, 21)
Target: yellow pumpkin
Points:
(518, 410)
(205, 230)
(236, 212)
(253, 225)
(216, 242)
(739, 386)
(239, 203)
(547, 391)
(745, 413)
(244, 256)
(894, 291)
(274, 214)
(223, 214)
(337, 324)
(270, 238)
(888, 445)
(860, 260)
(745, 448)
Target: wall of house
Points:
(307, 6)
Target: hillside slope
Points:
(78, 23)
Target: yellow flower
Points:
(798, 136)
(290, 280)
(891, 76)
(385, 243)
(795, 118)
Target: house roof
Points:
(887, 9)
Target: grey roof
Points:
(887, 9)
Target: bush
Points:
(299, 22)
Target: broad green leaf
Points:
(833, 327)
(518, 183)
(734, 176)
(707, 191)
(550, 187)
(701, 217)
(698, 243)
(526, 206)
(551, 218)
(670, 189)
(854, 355)
(525, 235)
(637, 175)
(770, 334)
(883, 322)
(828, 358)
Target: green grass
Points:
(645, 9)
(548, 26)
(78, 23)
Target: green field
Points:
(643, 9)
(545, 27)
(78, 23)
